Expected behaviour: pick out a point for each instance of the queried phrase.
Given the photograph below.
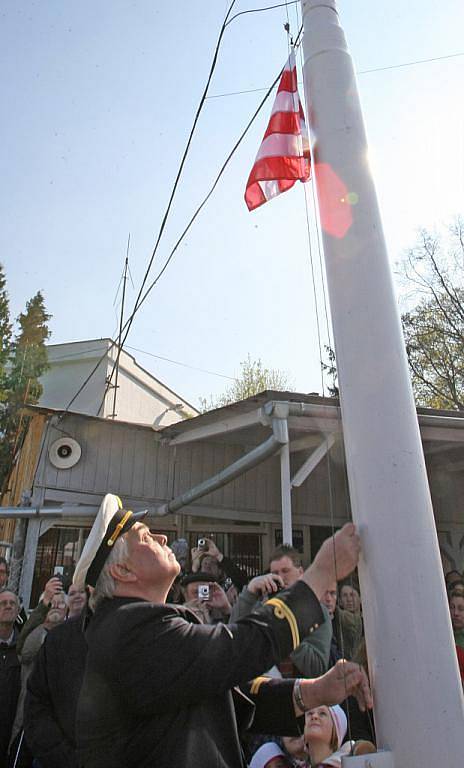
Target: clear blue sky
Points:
(98, 100)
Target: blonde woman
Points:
(325, 730)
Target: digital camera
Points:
(203, 592)
(202, 544)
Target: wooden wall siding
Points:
(23, 473)
(114, 457)
(131, 461)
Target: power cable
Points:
(267, 8)
(150, 354)
(173, 191)
(185, 365)
(213, 187)
(192, 219)
(410, 63)
(360, 72)
(138, 303)
(130, 319)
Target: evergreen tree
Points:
(27, 362)
(29, 355)
(5, 334)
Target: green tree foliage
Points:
(330, 369)
(27, 361)
(5, 334)
(254, 378)
(434, 327)
(29, 355)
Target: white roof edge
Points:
(126, 361)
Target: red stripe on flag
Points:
(282, 158)
(283, 122)
(288, 81)
(279, 168)
(284, 185)
(254, 196)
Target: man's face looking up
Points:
(9, 608)
(150, 559)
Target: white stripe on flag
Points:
(280, 153)
(280, 145)
(286, 102)
(269, 189)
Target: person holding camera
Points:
(208, 558)
(158, 684)
(205, 597)
(311, 657)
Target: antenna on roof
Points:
(121, 322)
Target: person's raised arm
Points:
(336, 559)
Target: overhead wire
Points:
(213, 187)
(202, 204)
(174, 188)
(144, 352)
(185, 365)
(128, 324)
(139, 303)
(140, 299)
(191, 221)
(359, 72)
(267, 8)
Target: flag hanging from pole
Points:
(283, 156)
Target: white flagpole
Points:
(419, 707)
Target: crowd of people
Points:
(43, 658)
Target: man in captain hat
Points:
(157, 688)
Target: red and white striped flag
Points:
(283, 156)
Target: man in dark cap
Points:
(157, 685)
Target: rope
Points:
(310, 249)
(329, 459)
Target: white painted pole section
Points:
(286, 493)
(377, 760)
(419, 707)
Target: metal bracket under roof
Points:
(312, 461)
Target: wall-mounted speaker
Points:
(64, 453)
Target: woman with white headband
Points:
(325, 730)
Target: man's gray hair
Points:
(12, 592)
(106, 585)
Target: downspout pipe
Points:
(47, 513)
(265, 450)
(30, 512)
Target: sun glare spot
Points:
(336, 216)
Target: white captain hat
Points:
(111, 522)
